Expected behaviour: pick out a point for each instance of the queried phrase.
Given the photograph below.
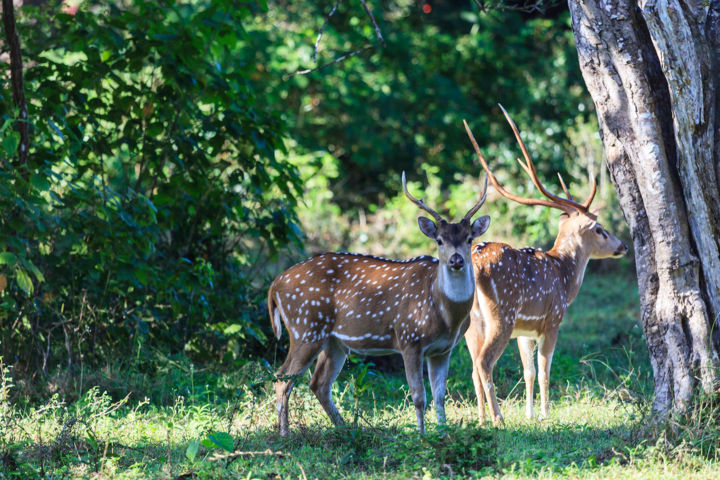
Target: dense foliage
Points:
(169, 143)
(151, 184)
(356, 125)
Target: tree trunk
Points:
(652, 71)
(16, 81)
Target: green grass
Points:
(598, 426)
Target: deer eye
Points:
(598, 230)
(469, 240)
(439, 241)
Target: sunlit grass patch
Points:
(191, 421)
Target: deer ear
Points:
(480, 226)
(427, 227)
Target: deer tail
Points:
(275, 311)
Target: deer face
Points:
(454, 239)
(584, 229)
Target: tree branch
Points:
(378, 34)
(16, 81)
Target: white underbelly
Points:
(525, 333)
(373, 351)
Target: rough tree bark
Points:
(652, 70)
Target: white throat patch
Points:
(457, 286)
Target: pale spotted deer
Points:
(525, 293)
(334, 303)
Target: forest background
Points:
(176, 165)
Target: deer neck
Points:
(572, 261)
(453, 291)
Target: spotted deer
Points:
(524, 293)
(334, 303)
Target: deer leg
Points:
(479, 393)
(328, 366)
(438, 372)
(473, 340)
(546, 347)
(489, 354)
(298, 360)
(412, 357)
(526, 346)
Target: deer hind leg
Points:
(298, 360)
(479, 393)
(328, 366)
(546, 348)
(485, 362)
(438, 371)
(412, 357)
(474, 340)
(526, 346)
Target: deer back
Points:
(369, 303)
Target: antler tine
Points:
(524, 167)
(468, 216)
(569, 195)
(496, 184)
(557, 202)
(591, 197)
(419, 203)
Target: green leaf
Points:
(192, 450)
(10, 143)
(40, 182)
(24, 281)
(8, 258)
(222, 440)
(35, 270)
(234, 328)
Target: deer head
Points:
(453, 239)
(578, 226)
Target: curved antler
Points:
(419, 203)
(500, 188)
(591, 197)
(565, 204)
(468, 216)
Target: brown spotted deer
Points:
(524, 293)
(334, 303)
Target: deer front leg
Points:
(525, 345)
(438, 372)
(412, 357)
(546, 347)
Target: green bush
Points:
(152, 186)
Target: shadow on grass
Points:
(332, 452)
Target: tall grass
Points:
(195, 421)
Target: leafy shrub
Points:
(151, 190)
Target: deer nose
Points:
(456, 261)
(622, 250)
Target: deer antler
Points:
(420, 203)
(565, 204)
(468, 216)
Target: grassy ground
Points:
(200, 423)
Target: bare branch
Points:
(337, 60)
(378, 34)
(536, 6)
(372, 19)
(322, 30)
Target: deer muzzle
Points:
(622, 250)
(456, 262)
